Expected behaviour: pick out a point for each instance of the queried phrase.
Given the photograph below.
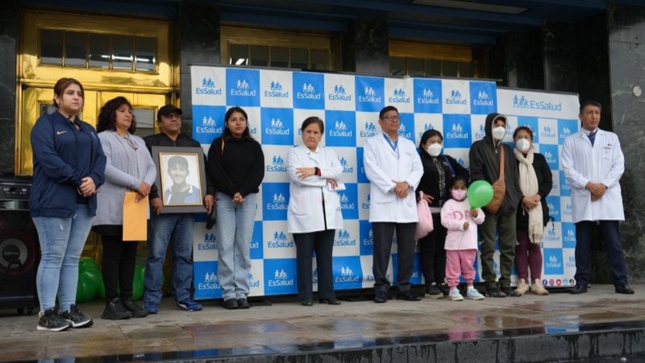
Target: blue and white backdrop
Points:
(278, 101)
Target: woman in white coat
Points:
(314, 210)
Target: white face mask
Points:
(499, 132)
(523, 145)
(434, 149)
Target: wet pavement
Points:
(358, 328)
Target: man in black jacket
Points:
(484, 165)
(165, 226)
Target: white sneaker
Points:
(473, 294)
(455, 295)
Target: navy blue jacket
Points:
(56, 179)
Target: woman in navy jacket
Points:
(69, 166)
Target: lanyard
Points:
(393, 144)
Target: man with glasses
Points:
(394, 169)
(176, 226)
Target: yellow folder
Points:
(135, 218)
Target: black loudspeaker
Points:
(19, 250)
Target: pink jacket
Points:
(453, 216)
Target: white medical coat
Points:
(305, 213)
(383, 166)
(601, 163)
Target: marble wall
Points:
(626, 32)
(9, 18)
(199, 44)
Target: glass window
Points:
(146, 53)
(280, 57)
(122, 50)
(415, 67)
(75, 44)
(466, 69)
(259, 55)
(433, 67)
(99, 51)
(397, 66)
(145, 121)
(299, 58)
(51, 47)
(319, 59)
(47, 109)
(239, 55)
(450, 69)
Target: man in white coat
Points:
(394, 169)
(593, 164)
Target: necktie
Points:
(592, 137)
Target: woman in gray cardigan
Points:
(129, 168)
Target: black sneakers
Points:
(115, 310)
(134, 309)
(76, 317)
(49, 320)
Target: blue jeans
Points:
(234, 232)
(179, 227)
(61, 244)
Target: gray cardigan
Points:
(117, 181)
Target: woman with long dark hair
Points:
(438, 171)
(236, 164)
(129, 168)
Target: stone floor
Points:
(285, 326)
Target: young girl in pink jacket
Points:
(461, 242)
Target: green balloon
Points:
(139, 272)
(96, 277)
(137, 289)
(88, 263)
(480, 193)
(85, 289)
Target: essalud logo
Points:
(208, 126)
(277, 128)
(483, 99)
(279, 202)
(208, 88)
(346, 275)
(455, 98)
(339, 94)
(340, 130)
(211, 282)
(547, 131)
(308, 92)
(280, 241)
(276, 90)
(369, 95)
(280, 278)
(345, 165)
(427, 97)
(457, 132)
(523, 102)
(343, 239)
(277, 165)
(399, 96)
(370, 129)
(553, 262)
(243, 89)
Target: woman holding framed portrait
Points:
(129, 168)
(236, 164)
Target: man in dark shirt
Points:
(178, 226)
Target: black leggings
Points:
(119, 261)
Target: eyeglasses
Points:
(131, 143)
(392, 118)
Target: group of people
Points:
(81, 176)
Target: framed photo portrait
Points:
(181, 178)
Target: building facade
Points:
(143, 50)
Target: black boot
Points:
(115, 310)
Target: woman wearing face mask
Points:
(485, 157)
(533, 212)
(438, 173)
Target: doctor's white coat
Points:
(383, 166)
(305, 213)
(603, 163)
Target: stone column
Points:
(560, 57)
(627, 107)
(9, 28)
(366, 47)
(199, 44)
